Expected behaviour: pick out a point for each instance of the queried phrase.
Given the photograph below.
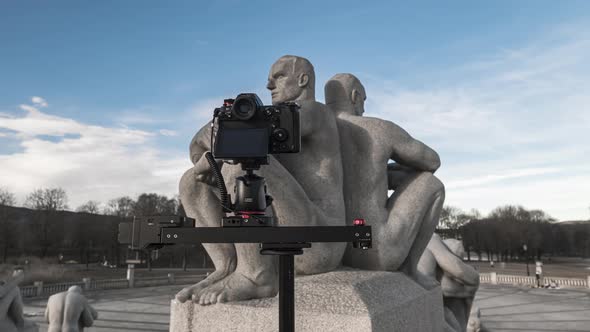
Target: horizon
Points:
(103, 101)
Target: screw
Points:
(356, 234)
(368, 234)
(168, 235)
(176, 236)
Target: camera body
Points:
(245, 129)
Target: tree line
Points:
(45, 229)
(514, 233)
(56, 199)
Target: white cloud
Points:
(506, 124)
(38, 101)
(167, 132)
(202, 111)
(90, 162)
(492, 178)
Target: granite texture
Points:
(403, 222)
(346, 300)
(69, 311)
(459, 282)
(11, 306)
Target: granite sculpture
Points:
(11, 306)
(340, 301)
(403, 223)
(69, 311)
(306, 187)
(474, 323)
(343, 172)
(443, 261)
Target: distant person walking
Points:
(538, 272)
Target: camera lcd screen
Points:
(241, 143)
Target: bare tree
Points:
(47, 202)
(52, 199)
(120, 207)
(453, 218)
(154, 204)
(89, 207)
(7, 198)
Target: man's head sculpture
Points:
(346, 91)
(75, 289)
(291, 78)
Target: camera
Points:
(245, 129)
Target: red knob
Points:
(359, 222)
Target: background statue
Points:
(403, 223)
(443, 260)
(69, 311)
(306, 187)
(11, 305)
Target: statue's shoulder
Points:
(310, 106)
(57, 297)
(369, 122)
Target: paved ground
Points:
(139, 309)
(524, 309)
(503, 309)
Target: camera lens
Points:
(244, 108)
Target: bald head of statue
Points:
(75, 289)
(346, 94)
(291, 78)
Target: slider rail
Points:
(278, 234)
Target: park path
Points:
(504, 309)
(137, 309)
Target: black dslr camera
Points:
(244, 129)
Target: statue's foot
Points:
(194, 291)
(238, 287)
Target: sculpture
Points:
(69, 311)
(459, 281)
(11, 306)
(474, 323)
(404, 222)
(306, 187)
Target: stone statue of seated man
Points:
(443, 261)
(11, 305)
(403, 223)
(306, 187)
(69, 311)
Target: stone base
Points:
(350, 300)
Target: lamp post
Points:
(526, 259)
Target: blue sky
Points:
(498, 88)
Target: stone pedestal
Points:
(342, 301)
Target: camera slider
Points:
(159, 231)
(283, 241)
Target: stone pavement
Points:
(506, 308)
(137, 309)
(503, 308)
